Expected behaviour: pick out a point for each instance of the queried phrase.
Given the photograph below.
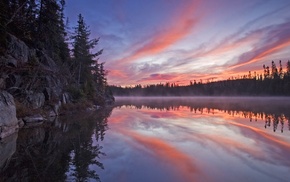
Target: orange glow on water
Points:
(163, 151)
(198, 141)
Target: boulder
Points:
(8, 120)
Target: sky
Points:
(178, 41)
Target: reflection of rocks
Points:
(43, 152)
(8, 120)
(7, 149)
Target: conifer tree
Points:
(50, 28)
(274, 71)
(83, 58)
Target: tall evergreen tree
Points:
(50, 29)
(275, 74)
(83, 58)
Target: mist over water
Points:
(254, 104)
(198, 139)
(165, 139)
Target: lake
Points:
(157, 139)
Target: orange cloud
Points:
(117, 73)
(265, 53)
(178, 78)
(180, 27)
(275, 38)
(156, 77)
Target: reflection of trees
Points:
(58, 150)
(276, 121)
(274, 112)
(85, 153)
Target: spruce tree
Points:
(83, 59)
(51, 31)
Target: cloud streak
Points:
(275, 38)
(180, 26)
(165, 41)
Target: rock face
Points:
(37, 80)
(8, 120)
(31, 75)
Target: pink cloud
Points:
(117, 73)
(275, 39)
(180, 26)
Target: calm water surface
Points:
(154, 139)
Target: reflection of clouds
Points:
(255, 109)
(219, 138)
(165, 152)
(274, 149)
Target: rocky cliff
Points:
(30, 74)
(31, 78)
(38, 83)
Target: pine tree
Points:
(83, 58)
(50, 29)
(274, 71)
(102, 82)
(64, 52)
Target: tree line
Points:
(276, 117)
(275, 81)
(42, 25)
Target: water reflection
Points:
(157, 139)
(273, 111)
(197, 140)
(59, 150)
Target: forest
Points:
(275, 81)
(41, 53)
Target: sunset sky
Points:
(159, 41)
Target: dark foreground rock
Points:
(7, 149)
